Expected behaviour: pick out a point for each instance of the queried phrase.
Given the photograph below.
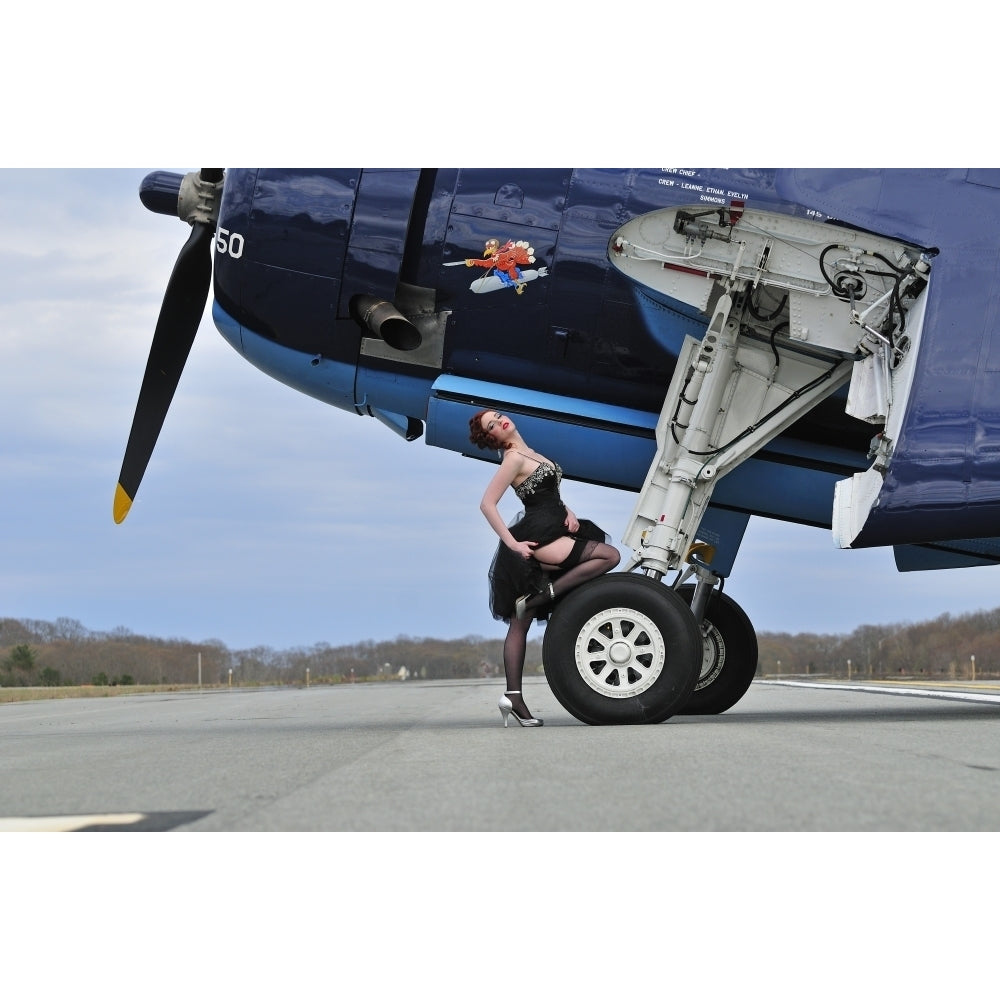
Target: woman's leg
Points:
(514, 648)
(596, 559)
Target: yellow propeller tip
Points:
(123, 504)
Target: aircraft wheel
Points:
(621, 650)
(729, 655)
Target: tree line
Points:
(948, 647)
(64, 652)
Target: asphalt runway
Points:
(433, 756)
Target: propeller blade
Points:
(180, 314)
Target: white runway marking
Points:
(67, 824)
(943, 692)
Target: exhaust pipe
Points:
(383, 320)
(408, 428)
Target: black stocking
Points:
(514, 648)
(597, 558)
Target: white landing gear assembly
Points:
(797, 308)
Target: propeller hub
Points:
(159, 190)
(192, 197)
(199, 195)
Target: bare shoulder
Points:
(511, 465)
(507, 472)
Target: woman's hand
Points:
(572, 524)
(524, 549)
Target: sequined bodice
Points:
(542, 485)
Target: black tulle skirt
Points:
(511, 576)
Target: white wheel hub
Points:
(620, 652)
(713, 656)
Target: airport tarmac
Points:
(433, 756)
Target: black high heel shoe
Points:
(521, 604)
(507, 709)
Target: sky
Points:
(267, 518)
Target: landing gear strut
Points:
(629, 648)
(728, 655)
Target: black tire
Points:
(729, 655)
(621, 650)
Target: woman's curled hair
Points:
(478, 436)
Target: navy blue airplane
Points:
(817, 346)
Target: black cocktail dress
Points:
(543, 521)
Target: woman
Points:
(545, 553)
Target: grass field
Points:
(12, 694)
